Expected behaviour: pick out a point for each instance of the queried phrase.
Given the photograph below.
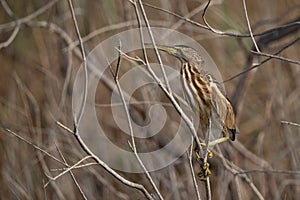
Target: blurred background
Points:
(39, 59)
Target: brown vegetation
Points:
(39, 57)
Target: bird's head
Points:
(179, 51)
(183, 53)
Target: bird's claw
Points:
(204, 166)
(204, 172)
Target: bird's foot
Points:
(209, 152)
(204, 172)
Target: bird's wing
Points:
(223, 110)
(219, 102)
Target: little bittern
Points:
(204, 93)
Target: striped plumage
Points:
(197, 92)
(203, 92)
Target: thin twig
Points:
(28, 99)
(85, 81)
(65, 171)
(207, 140)
(262, 62)
(76, 167)
(290, 123)
(205, 21)
(133, 146)
(239, 147)
(107, 168)
(276, 57)
(268, 171)
(71, 173)
(154, 45)
(11, 37)
(233, 169)
(111, 27)
(77, 121)
(285, 26)
(17, 25)
(190, 157)
(7, 9)
(207, 189)
(189, 15)
(10, 25)
(34, 145)
(249, 26)
(188, 122)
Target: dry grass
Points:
(36, 80)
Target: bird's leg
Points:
(209, 152)
(210, 144)
(197, 153)
(218, 141)
(205, 171)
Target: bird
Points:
(205, 96)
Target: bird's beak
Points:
(170, 50)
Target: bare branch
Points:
(268, 171)
(35, 146)
(66, 171)
(190, 157)
(85, 81)
(10, 25)
(71, 173)
(290, 123)
(249, 26)
(7, 9)
(262, 62)
(287, 26)
(169, 95)
(132, 144)
(276, 57)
